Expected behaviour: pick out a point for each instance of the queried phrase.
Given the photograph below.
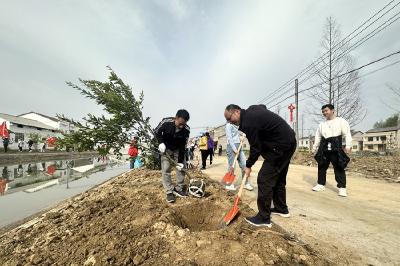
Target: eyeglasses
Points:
(229, 118)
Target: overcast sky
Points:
(198, 55)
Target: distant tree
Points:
(124, 120)
(343, 92)
(391, 121)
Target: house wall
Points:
(380, 141)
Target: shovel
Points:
(229, 177)
(235, 209)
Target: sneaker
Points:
(258, 221)
(248, 186)
(170, 198)
(181, 194)
(342, 192)
(230, 187)
(318, 188)
(282, 214)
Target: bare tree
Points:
(393, 101)
(331, 86)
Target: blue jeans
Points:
(231, 156)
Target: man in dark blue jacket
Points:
(272, 138)
(172, 134)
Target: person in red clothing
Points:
(133, 153)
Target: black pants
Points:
(211, 153)
(20, 148)
(5, 148)
(340, 174)
(204, 155)
(271, 182)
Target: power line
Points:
(309, 67)
(363, 66)
(355, 45)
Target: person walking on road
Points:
(232, 145)
(210, 146)
(203, 146)
(271, 137)
(6, 141)
(20, 145)
(172, 134)
(328, 149)
(30, 143)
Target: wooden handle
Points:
(242, 186)
(238, 150)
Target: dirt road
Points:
(360, 229)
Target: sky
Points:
(197, 55)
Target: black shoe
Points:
(258, 221)
(280, 213)
(170, 198)
(181, 194)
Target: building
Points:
(381, 139)
(306, 143)
(357, 142)
(218, 134)
(56, 123)
(23, 128)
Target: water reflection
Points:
(17, 177)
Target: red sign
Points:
(291, 108)
(4, 131)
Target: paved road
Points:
(363, 228)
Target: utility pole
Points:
(296, 95)
(302, 126)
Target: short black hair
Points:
(232, 107)
(329, 105)
(182, 113)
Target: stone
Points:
(281, 253)
(91, 260)
(181, 232)
(202, 243)
(137, 259)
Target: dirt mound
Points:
(127, 222)
(369, 166)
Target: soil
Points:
(373, 166)
(127, 221)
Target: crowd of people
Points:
(271, 138)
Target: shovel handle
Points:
(238, 150)
(244, 179)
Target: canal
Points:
(26, 189)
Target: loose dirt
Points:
(127, 221)
(372, 166)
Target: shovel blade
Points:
(228, 178)
(232, 212)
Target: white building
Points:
(22, 128)
(218, 134)
(382, 139)
(306, 143)
(53, 122)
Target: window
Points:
(370, 138)
(19, 136)
(383, 138)
(306, 142)
(244, 145)
(370, 147)
(377, 138)
(355, 147)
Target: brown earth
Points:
(382, 167)
(127, 221)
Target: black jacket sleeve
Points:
(182, 146)
(255, 146)
(160, 130)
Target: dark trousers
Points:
(204, 155)
(271, 183)
(5, 148)
(211, 153)
(20, 148)
(340, 174)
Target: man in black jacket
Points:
(172, 134)
(272, 138)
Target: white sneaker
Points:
(318, 188)
(248, 186)
(230, 187)
(342, 192)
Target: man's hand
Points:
(247, 171)
(179, 166)
(347, 150)
(162, 148)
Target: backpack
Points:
(133, 151)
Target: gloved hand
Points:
(179, 166)
(162, 148)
